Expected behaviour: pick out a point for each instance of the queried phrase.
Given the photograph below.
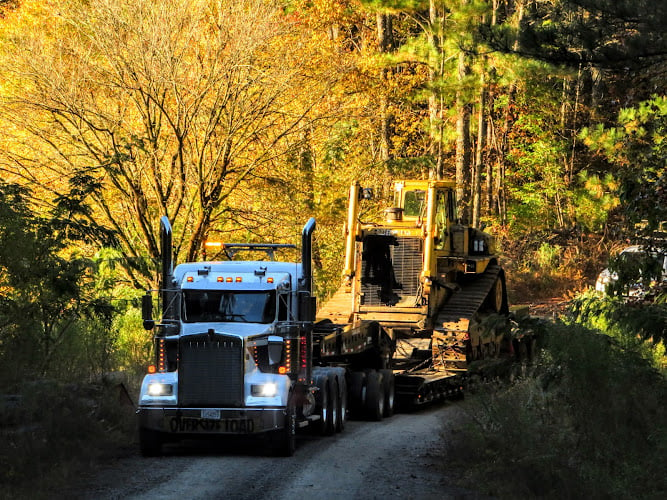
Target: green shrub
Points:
(133, 344)
(640, 327)
(548, 256)
(51, 432)
(589, 423)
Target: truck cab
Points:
(232, 351)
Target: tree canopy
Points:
(242, 118)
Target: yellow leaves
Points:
(330, 12)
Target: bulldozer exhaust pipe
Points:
(429, 233)
(351, 227)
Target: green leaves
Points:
(607, 33)
(637, 148)
(636, 326)
(46, 287)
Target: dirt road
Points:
(397, 458)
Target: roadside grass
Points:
(51, 433)
(589, 421)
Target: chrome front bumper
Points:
(233, 421)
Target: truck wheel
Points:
(285, 440)
(323, 401)
(334, 406)
(357, 393)
(374, 395)
(389, 388)
(342, 411)
(150, 442)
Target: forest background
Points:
(240, 119)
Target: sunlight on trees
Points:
(153, 108)
(239, 119)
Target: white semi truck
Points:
(235, 354)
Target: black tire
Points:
(389, 388)
(334, 405)
(357, 393)
(470, 357)
(343, 399)
(323, 401)
(150, 442)
(285, 438)
(374, 396)
(385, 352)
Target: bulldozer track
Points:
(465, 302)
(443, 375)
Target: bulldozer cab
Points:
(412, 201)
(412, 198)
(392, 265)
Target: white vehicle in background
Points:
(628, 269)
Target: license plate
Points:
(210, 425)
(209, 414)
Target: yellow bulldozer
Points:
(426, 288)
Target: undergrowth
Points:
(589, 422)
(546, 264)
(51, 432)
(637, 326)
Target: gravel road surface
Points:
(397, 458)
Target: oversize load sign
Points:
(225, 425)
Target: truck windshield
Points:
(219, 306)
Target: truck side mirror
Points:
(147, 311)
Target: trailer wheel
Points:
(334, 406)
(389, 389)
(357, 393)
(532, 349)
(385, 352)
(150, 442)
(374, 395)
(343, 399)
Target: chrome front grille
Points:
(210, 371)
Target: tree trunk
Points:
(491, 146)
(502, 152)
(385, 44)
(434, 100)
(479, 154)
(463, 143)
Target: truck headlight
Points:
(267, 390)
(159, 389)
